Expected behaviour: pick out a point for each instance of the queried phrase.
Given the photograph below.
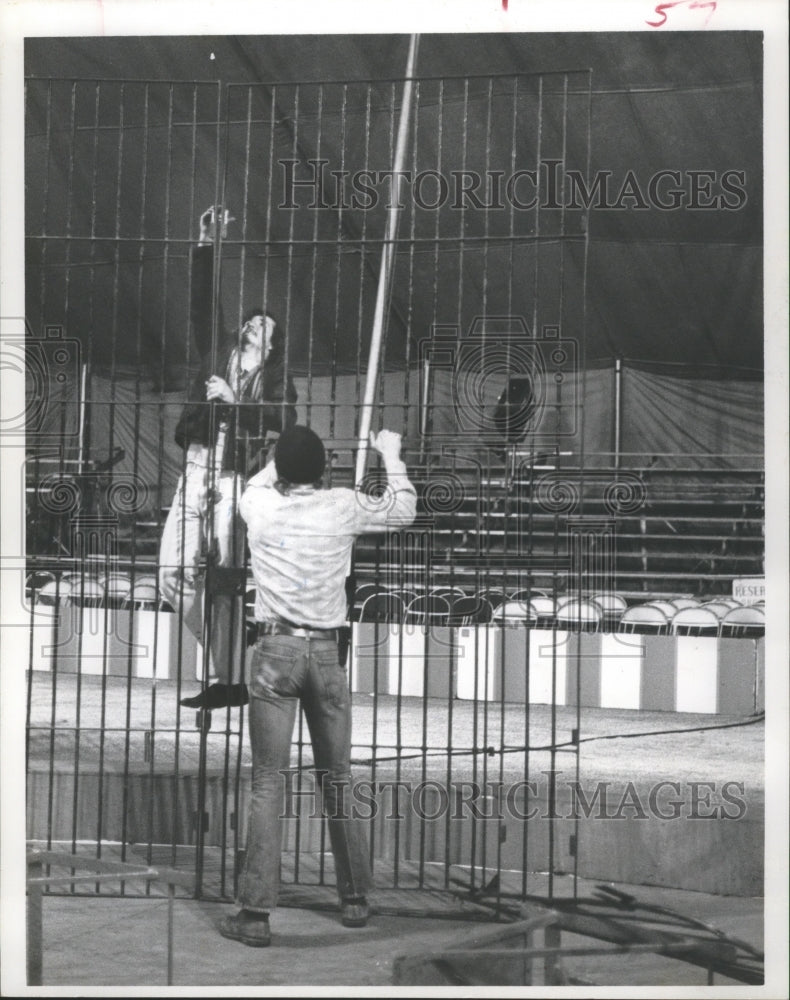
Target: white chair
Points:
(579, 616)
(513, 613)
(667, 607)
(143, 594)
(684, 602)
(719, 608)
(610, 604)
(116, 588)
(87, 593)
(743, 622)
(643, 618)
(382, 607)
(56, 593)
(428, 609)
(543, 611)
(694, 621)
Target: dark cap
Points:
(299, 455)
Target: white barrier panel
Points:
(622, 659)
(696, 673)
(117, 642)
(478, 663)
(369, 661)
(548, 666)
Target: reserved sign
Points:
(749, 589)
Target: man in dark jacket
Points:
(241, 393)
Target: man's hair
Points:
(299, 455)
(278, 337)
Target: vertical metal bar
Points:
(412, 237)
(618, 402)
(177, 783)
(427, 424)
(314, 260)
(388, 251)
(45, 197)
(538, 154)
(112, 405)
(35, 908)
(582, 424)
(171, 891)
(205, 716)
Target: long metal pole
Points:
(385, 273)
(618, 401)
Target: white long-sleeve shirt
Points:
(300, 542)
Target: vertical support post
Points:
(425, 422)
(385, 272)
(171, 891)
(618, 409)
(82, 407)
(551, 965)
(34, 922)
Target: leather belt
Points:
(300, 631)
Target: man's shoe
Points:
(219, 696)
(250, 928)
(354, 912)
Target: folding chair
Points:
(382, 607)
(470, 611)
(527, 595)
(116, 589)
(694, 621)
(684, 602)
(542, 610)
(87, 593)
(743, 622)
(612, 606)
(143, 594)
(644, 619)
(513, 612)
(667, 607)
(579, 616)
(36, 581)
(55, 593)
(719, 608)
(428, 609)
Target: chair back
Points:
(611, 605)
(579, 615)
(56, 593)
(694, 621)
(743, 622)
(470, 611)
(87, 593)
(143, 594)
(645, 619)
(428, 609)
(719, 608)
(513, 613)
(382, 607)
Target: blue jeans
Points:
(285, 670)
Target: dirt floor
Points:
(99, 941)
(84, 718)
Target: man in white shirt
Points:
(300, 537)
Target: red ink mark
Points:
(662, 8)
(504, 4)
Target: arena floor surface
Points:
(82, 934)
